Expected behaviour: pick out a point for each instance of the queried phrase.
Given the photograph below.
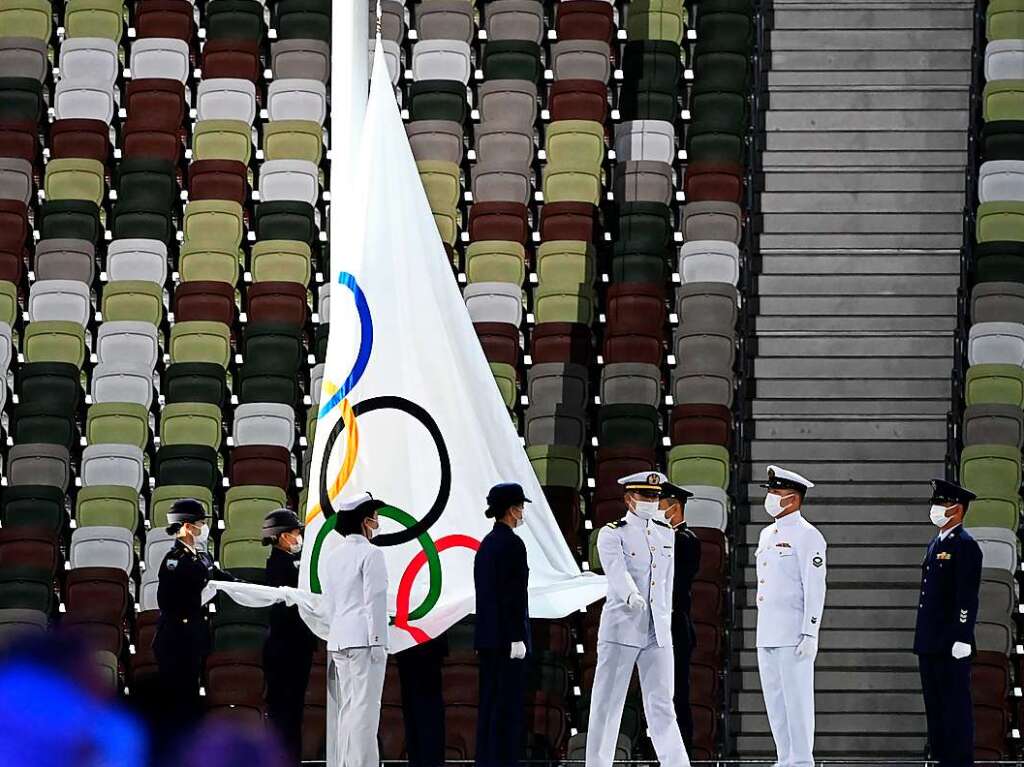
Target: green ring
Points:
(406, 520)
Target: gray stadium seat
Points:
(158, 543)
(442, 60)
(712, 220)
(323, 295)
(122, 382)
(148, 588)
(297, 100)
(644, 181)
(113, 465)
(705, 350)
(6, 351)
(304, 59)
(515, 20)
(39, 464)
(296, 180)
(24, 57)
(555, 425)
(392, 20)
(1001, 180)
(392, 57)
(83, 101)
(316, 379)
(494, 302)
(16, 623)
(986, 424)
(709, 507)
(66, 259)
(121, 341)
(102, 546)
(653, 140)
(510, 102)
(709, 261)
(15, 178)
(999, 546)
(502, 145)
(997, 302)
(439, 140)
(707, 305)
(444, 20)
(137, 259)
(226, 98)
(164, 58)
(557, 383)
(89, 61)
(698, 387)
(996, 343)
(60, 300)
(264, 423)
(624, 383)
(1004, 60)
(581, 60)
(500, 183)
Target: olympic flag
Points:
(409, 410)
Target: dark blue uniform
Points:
(287, 655)
(419, 671)
(182, 639)
(946, 613)
(683, 636)
(501, 575)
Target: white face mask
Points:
(773, 504)
(202, 535)
(296, 547)
(646, 509)
(370, 532)
(938, 516)
(521, 519)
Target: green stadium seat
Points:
(564, 302)
(994, 512)
(235, 20)
(94, 18)
(133, 300)
(281, 261)
(512, 60)
(293, 140)
(699, 465)
(213, 223)
(303, 20)
(1000, 220)
(113, 505)
(199, 341)
(557, 465)
(566, 262)
(191, 423)
(725, 30)
(201, 263)
(1004, 20)
(720, 72)
(33, 506)
(438, 100)
(186, 465)
(656, 20)
(27, 18)
(991, 471)
(54, 341)
(628, 425)
(506, 378)
(1003, 100)
(994, 385)
(222, 140)
(75, 179)
(119, 423)
(164, 497)
(286, 220)
(241, 549)
(8, 302)
(496, 261)
(245, 507)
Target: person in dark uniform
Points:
(182, 638)
(944, 635)
(673, 506)
(419, 672)
(502, 639)
(288, 651)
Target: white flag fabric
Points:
(410, 411)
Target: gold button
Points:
(653, 566)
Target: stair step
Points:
(866, 345)
(870, 40)
(863, 684)
(839, 368)
(865, 597)
(863, 223)
(863, 744)
(836, 659)
(860, 160)
(842, 639)
(828, 78)
(865, 61)
(844, 702)
(895, 451)
(839, 324)
(829, 725)
(895, 263)
(863, 202)
(826, 16)
(805, 138)
(848, 408)
(864, 181)
(885, 576)
(918, 121)
(877, 305)
(851, 430)
(860, 471)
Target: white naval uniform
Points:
(638, 558)
(790, 600)
(355, 587)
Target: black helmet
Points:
(277, 522)
(186, 510)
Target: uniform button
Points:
(760, 599)
(652, 583)
(761, 581)
(653, 566)
(652, 548)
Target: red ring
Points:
(411, 571)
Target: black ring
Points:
(444, 489)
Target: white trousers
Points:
(356, 686)
(615, 664)
(787, 683)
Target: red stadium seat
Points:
(553, 635)
(20, 140)
(283, 302)
(568, 221)
(636, 315)
(705, 730)
(314, 733)
(218, 180)
(97, 633)
(709, 644)
(562, 342)
(708, 601)
(205, 301)
(12, 265)
(460, 726)
(235, 58)
(499, 221)
(701, 425)
(461, 682)
(547, 726)
(165, 18)
(156, 103)
(140, 140)
(260, 465)
(565, 505)
(578, 100)
(99, 592)
(235, 678)
(991, 728)
(990, 678)
(86, 139)
(391, 733)
(500, 341)
(585, 20)
(706, 181)
(14, 229)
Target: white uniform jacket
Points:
(638, 556)
(790, 581)
(356, 592)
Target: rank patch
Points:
(944, 555)
(817, 561)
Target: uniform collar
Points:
(190, 549)
(790, 520)
(355, 539)
(946, 533)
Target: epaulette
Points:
(616, 524)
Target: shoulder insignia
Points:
(171, 563)
(963, 616)
(616, 524)
(818, 561)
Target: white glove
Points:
(518, 650)
(961, 650)
(636, 603)
(807, 647)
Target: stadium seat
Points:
(138, 260)
(118, 341)
(54, 341)
(39, 507)
(296, 58)
(102, 546)
(39, 464)
(245, 506)
(134, 301)
(556, 383)
(186, 465)
(222, 140)
(1001, 180)
(496, 261)
(60, 300)
(24, 57)
(1004, 60)
(1004, 20)
(699, 465)
(27, 18)
(997, 302)
(89, 60)
(113, 464)
(656, 20)
(708, 507)
(162, 57)
(991, 470)
(709, 261)
(226, 98)
(200, 342)
(652, 140)
(993, 424)
(260, 465)
(164, 496)
(994, 385)
(38, 424)
(996, 343)
(999, 221)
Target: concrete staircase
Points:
(862, 222)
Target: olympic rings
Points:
(445, 485)
(402, 614)
(433, 560)
(365, 344)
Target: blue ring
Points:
(365, 344)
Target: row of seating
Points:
(992, 430)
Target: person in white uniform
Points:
(790, 601)
(355, 587)
(638, 557)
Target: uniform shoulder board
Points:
(616, 524)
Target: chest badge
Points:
(944, 555)
(817, 561)
(783, 545)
